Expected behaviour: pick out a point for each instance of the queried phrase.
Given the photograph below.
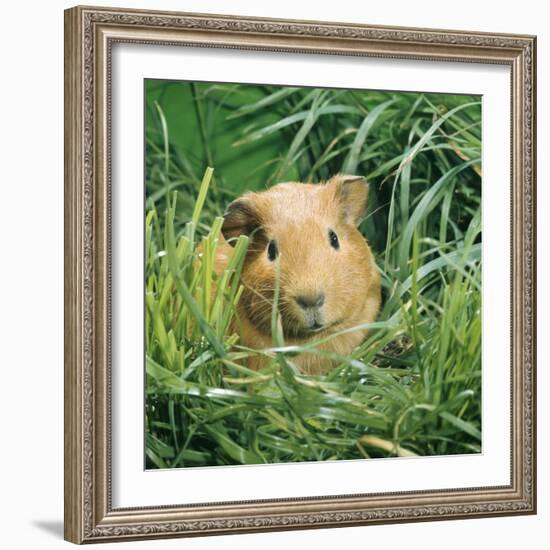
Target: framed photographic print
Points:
(300, 274)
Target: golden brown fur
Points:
(338, 287)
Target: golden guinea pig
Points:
(328, 280)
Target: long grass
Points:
(414, 386)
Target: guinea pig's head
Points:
(308, 234)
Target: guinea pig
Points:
(328, 278)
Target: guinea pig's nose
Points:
(308, 301)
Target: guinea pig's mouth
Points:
(317, 327)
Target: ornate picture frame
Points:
(90, 34)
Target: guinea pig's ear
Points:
(352, 193)
(240, 218)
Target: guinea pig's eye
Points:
(272, 251)
(333, 239)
